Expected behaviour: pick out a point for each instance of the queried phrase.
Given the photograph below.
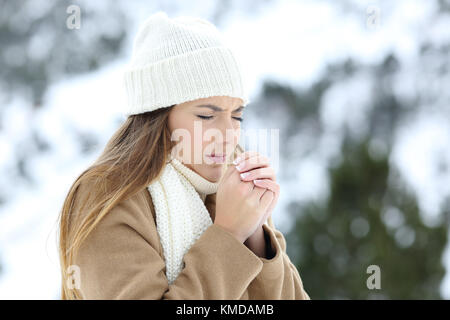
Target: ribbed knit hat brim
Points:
(178, 60)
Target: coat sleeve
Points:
(279, 278)
(120, 259)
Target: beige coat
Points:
(122, 258)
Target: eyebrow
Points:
(219, 109)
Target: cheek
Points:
(233, 137)
(237, 135)
(178, 120)
(204, 139)
(181, 122)
(181, 127)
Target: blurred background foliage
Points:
(369, 214)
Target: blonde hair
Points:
(131, 159)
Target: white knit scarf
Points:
(181, 214)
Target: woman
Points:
(164, 213)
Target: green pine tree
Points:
(366, 221)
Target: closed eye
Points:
(205, 117)
(209, 117)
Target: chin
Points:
(212, 173)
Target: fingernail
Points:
(244, 175)
(257, 181)
(240, 166)
(237, 160)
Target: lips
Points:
(217, 158)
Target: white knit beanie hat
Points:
(178, 60)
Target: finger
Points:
(231, 169)
(259, 173)
(245, 155)
(275, 187)
(271, 185)
(272, 204)
(235, 176)
(266, 199)
(264, 218)
(246, 186)
(252, 158)
(257, 193)
(227, 173)
(267, 183)
(245, 189)
(257, 161)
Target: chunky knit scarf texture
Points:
(178, 196)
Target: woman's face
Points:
(205, 127)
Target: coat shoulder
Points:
(137, 211)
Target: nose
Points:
(229, 134)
